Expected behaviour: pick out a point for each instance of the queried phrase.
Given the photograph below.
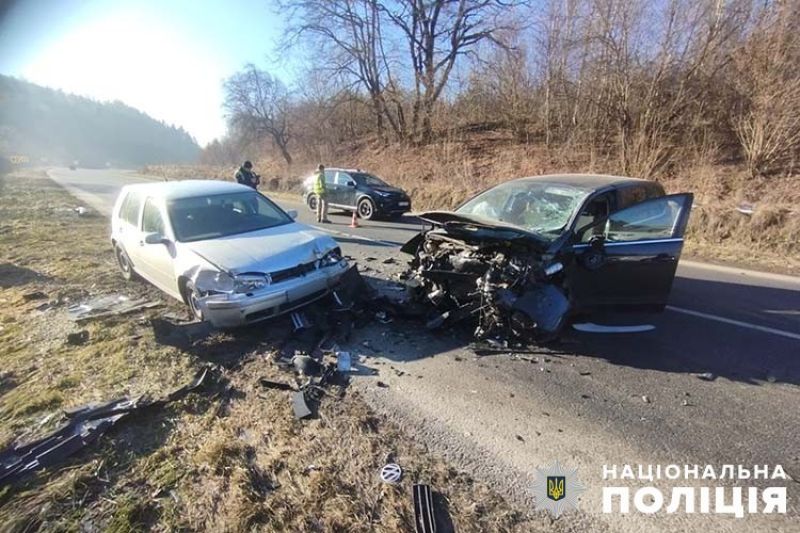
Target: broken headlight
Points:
(209, 281)
(250, 282)
(334, 257)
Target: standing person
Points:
(246, 176)
(321, 191)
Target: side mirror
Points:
(351, 184)
(597, 243)
(154, 238)
(292, 213)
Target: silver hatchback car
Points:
(231, 254)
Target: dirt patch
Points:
(233, 459)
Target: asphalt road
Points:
(594, 399)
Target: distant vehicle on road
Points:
(545, 249)
(355, 190)
(230, 253)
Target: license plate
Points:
(402, 204)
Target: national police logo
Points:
(557, 489)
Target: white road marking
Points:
(764, 329)
(591, 327)
(795, 280)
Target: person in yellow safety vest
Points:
(321, 191)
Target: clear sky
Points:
(167, 58)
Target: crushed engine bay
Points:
(497, 278)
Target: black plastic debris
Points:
(34, 295)
(78, 338)
(306, 365)
(85, 426)
(269, 384)
(424, 518)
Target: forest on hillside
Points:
(642, 85)
(47, 125)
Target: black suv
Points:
(355, 190)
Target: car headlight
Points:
(334, 257)
(250, 282)
(385, 194)
(212, 281)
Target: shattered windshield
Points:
(220, 215)
(538, 207)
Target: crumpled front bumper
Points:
(232, 310)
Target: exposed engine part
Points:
(508, 290)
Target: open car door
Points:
(631, 263)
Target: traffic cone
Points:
(354, 221)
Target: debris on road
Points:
(85, 426)
(269, 384)
(108, 305)
(306, 365)
(391, 473)
(706, 376)
(424, 517)
(78, 338)
(33, 295)
(646, 399)
(299, 405)
(343, 361)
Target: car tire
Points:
(190, 294)
(311, 202)
(366, 209)
(124, 263)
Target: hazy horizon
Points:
(167, 59)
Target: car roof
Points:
(588, 181)
(346, 169)
(173, 190)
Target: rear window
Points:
(129, 211)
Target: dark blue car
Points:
(359, 191)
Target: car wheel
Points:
(311, 201)
(124, 263)
(191, 300)
(366, 209)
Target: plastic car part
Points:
(391, 473)
(299, 405)
(424, 519)
(545, 306)
(85, 426)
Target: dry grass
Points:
(222, 461)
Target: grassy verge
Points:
(233, 459)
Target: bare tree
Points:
(767, 74)
(259, 104)
(437, 33)
(347, 35)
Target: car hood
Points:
(387, 188)
(266, 250)
(472, 228)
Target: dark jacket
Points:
(247, 177)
